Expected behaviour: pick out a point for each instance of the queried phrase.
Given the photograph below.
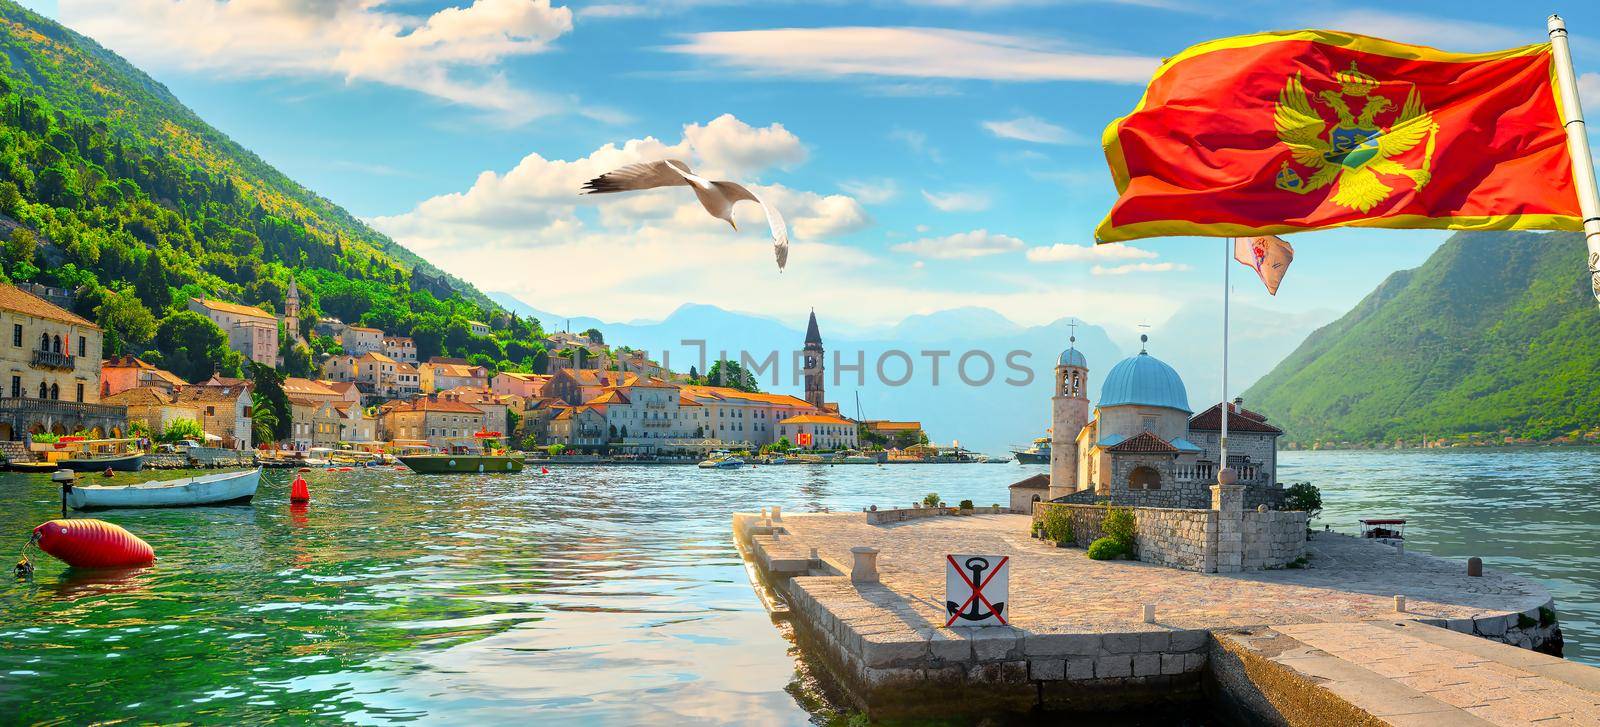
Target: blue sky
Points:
(929, 154)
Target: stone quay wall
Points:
(1189, 538)
(879, 517)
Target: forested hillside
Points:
(111, 187)
(1494, 336)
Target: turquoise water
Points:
(589, 595)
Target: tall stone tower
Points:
(1069, 412)
(291, 309)
(812, 354)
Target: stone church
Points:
(1142, 444)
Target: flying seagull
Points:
(717, 197)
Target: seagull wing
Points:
(780, 229)
(644, 175)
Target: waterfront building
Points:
(358, 340)
(251, 331)
(896, 434)
(431, 420)
(1252, 442)
(302, 415)
(528, 386)
(155, 407)
(578, 386)
(296, 387)
(812, 355)
(493, 406)
(121, 373)
(1138, 447)
(441, 374)
(741, 418)
(400, 348)
(650, 415)
(50, 364)
(226, 411)
(578, 427)
(537, 415)
(819, 431)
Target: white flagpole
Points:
(1577, 146)
(1227, 267)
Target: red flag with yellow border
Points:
(1304, 130)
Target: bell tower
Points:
(291, 309)
(812, 354)
(1069, 412)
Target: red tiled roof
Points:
(234, 308)
(1239, 420)
(1144, 442)
(16, 299)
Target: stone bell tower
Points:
(816, 394)
(1069, 412)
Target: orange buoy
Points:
(544, 470)
(299, 491)
(93, 544)
(347, 469)
(304, 469)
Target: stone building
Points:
(439, 375)
(360, 339)
(434, 421)
(226, 410)
(812, 354)
(1252, 442)
(819, 431)
(251, 331)
(155, 407)
(50, 364)
(400, 348)
(121, 373)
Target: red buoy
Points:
(93, 544)
(299, 491)
(544, 471)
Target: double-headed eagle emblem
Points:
(1354, 152)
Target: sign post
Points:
(977, 588)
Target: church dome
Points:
(1144, 380)
(1073, 357)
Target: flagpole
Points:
(1227, 267)
(1577, 147)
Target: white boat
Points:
(721, 461)
(217, 489)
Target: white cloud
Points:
(871, 191)
(957, 201)
(917, 142)
(1589, 92)
(1063, 252)
(1136, 268)
(910, 52)
(1443, 33)
(452, 55)
(962, 245)
(1033, 129)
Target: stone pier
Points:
(1078, 639)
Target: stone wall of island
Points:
(1189, 538)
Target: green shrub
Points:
(1119, 525)
(1056, 524)
(46, 438)
(966, 504)
(930, 500)
(1303, 496)
(1107, 548)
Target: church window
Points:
(1144, 478)
(1148, 423)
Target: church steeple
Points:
(813, 353)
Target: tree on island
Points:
(732, 375)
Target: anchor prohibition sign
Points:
(976, 590)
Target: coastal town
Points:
(373, 395)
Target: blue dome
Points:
(1072, 357)
(1146, 381)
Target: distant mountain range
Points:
(988, 417)
(1493, 336)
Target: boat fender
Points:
(299, 491)
(91, 543)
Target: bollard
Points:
(775, 533)
(763, 513)
(777, 513)
(1400, 548)
(1399, 603)
(865, 568)
(1475, 567)
(814, 554)
(1149, 613)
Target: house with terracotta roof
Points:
(438, 375)
(579, 427)
(650, 415)
(742, 418)
(493, 406)
(819, 431)
(155, 407)
(578, 386)
(432, 420)
(251, 331)
(226, 411)
(50, 370)
(400, 348)
(896, 434)
(120, 373)
(361, 339)
(528, 386)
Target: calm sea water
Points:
(593, 595)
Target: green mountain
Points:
(1495, 335)
(111, 187)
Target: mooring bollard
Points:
(1149, 613)
(763, 513)
(1399, 603)
(1400, 548)
(865, 568)
(777, 513)
(1475, 567)
(814, 554)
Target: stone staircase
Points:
(14, 452)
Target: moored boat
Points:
(222, 488)
(1039, 453)
(721, 461)
(85, 455)
(131, 462)
(480, 453)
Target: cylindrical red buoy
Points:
(544, 471)
(93, 544)
(299, 491)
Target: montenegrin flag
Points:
(1305, 130)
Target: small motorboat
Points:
(94, 455)
(721, 461)
(222, 488)
(25, 466)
